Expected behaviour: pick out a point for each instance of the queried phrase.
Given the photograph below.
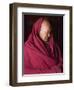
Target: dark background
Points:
(57, 27)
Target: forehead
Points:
(45, 23)
(45, 27)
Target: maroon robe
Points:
(41, 57)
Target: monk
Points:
(41, 53)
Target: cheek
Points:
(44, 35)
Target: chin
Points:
(45, 40)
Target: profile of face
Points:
(45, 31)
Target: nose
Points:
(49, 35)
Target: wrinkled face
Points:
(45, 31)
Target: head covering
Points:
(41, 57)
